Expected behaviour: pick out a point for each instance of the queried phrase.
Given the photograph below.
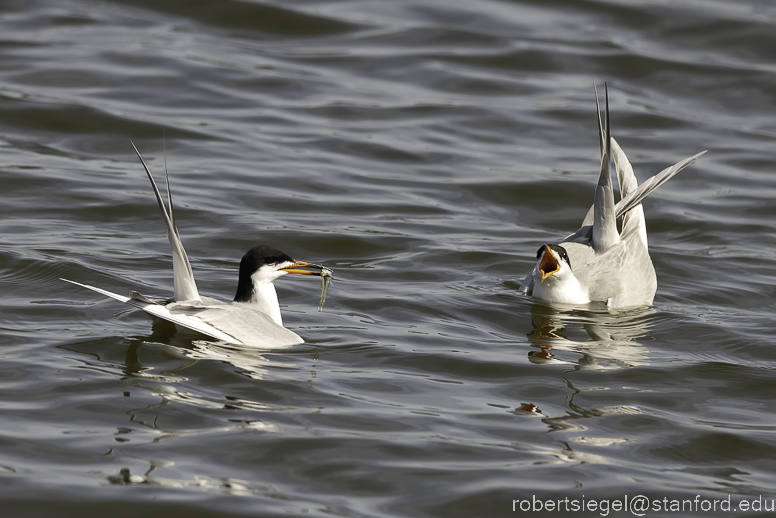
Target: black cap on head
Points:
(254, 259)
(260, 255)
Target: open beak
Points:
(310, 269)
(549, 265)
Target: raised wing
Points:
(605, 233)
(628, 184)
(625, 176)
(183, 276)
(635, 197)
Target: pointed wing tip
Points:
(135, 148)
(690, 160)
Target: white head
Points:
(554, 280)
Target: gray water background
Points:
(423, 149)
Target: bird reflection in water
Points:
(590, 338)
(177, 354)
(222, 484)
(603, 339)
(177, 345)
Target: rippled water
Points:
(423, 149)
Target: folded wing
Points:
(230, 323)
(163, 313)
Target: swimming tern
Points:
(598, 263)
(252, 318)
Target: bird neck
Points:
(261, 297)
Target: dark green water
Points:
(424, 150)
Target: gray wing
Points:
(583, 236)
(635, 197)
(527, 285)
(183, 276)
(634, 219)
(244, 324)
(233, 324)
(625, 176)
(623, 275)
(580, 255)
(605, 233)
(626, 180)
(164, 313)
(599, 228)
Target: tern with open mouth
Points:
(252, 318)
(598, 262)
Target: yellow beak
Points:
(316, 269)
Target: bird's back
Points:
(622, 276)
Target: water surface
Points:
(424, 150)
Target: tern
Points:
(598, 263)
(251, 319)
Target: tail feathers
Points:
(112, 295)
